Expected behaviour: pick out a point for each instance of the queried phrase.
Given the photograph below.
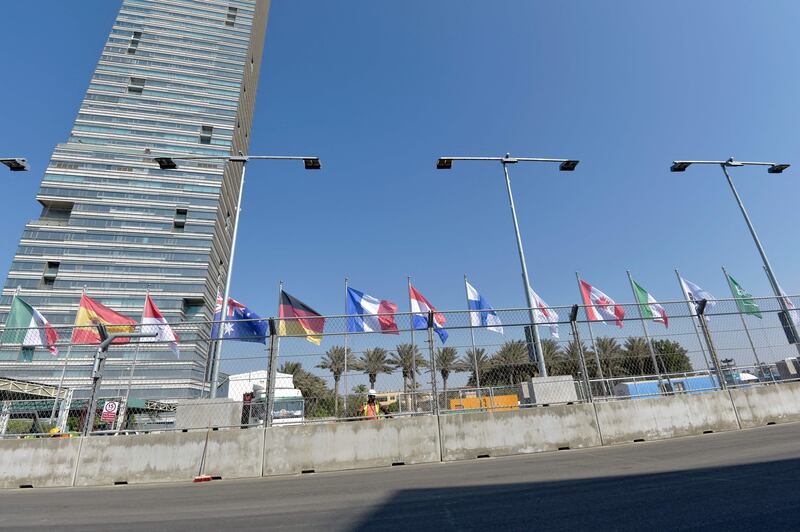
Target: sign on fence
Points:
(109, 412)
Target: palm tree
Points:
(637, 354)
(476, 357)
(292, 368)
(374, 361)
(553, 357)
(509, 359)
(334, 361)
(408, 359)
(447, 362)
(609, 351)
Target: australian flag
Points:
(242, 324)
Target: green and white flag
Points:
(744, 300)
(650, 307)
(26, 325)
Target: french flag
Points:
(368, 314)
(420, 308)
(153, 322)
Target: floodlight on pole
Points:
(16, 164)
(168, 163)
(772, 168)
(565, 165)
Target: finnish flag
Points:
(487, 317)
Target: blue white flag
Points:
(694, 293)
(487, 317)
(242, 324)
(369, 314)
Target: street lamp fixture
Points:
(168, 163)
(16, 164)
(565, 165)
(772, 168)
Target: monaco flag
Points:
(600, 307)
(153, 322)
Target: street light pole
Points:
(565, 165)
(772, 168)
(15, 164)
(168, 163)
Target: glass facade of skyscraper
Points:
(175, 78)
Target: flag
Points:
(154, 322)
(420, 308)
(26, 325)
(694, 293)
(242, 324)
(744, 300)
(543, 313)
(304, 320)
(600, 307)
(649, 306)
(487, 317)
(91, 313)
(368, 314)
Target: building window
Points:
(179, 222)
(205, 134)
(50, 273)
(137, 35)
(136, 85)
(230, 20)
(193, 309)
(26, 354)
(56, 213)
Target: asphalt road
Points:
(736, 480)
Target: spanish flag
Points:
(90, 313)
(298, 319)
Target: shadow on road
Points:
(761, 496)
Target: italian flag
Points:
(650, 307)
(27, 326)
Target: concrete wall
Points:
(351, 445)
(529, 430)
(164, 457)
(234, 453)
(45, 462)
(665, 417)
(200, 414)
(760, 405)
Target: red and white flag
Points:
(600, 307)
(153, 322)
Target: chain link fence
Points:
(144, 386)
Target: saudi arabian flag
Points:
(744, 300)
(27, 326)
(650, 307)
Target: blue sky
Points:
(380, 89)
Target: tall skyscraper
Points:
(175, 78)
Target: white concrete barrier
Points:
(163, 457)
(762, 405)
(350, 445)
(665, 417)
(234, 453)
(530, 430)
(40, 463)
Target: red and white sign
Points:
(109, 412)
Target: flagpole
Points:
(693, 315)
(472, 337)
(124, 409)
(741, 315)
(413, 352)
(591, 339)
(346, 352)
(646, 334)
(66, 361)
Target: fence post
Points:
(434, 393)
(701, 312)
(97, 377)
(573, 323)
(273, 369)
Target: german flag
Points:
(298, 319)
(90, 313)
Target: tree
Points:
(553, 356)
(673, 356)
(510, 364)
(406, 358)
(334, 361)
(511, 352)
(375, 361)
(316, 394)
(476, 356)
(637, 359)
(446, 362)
(610, 353)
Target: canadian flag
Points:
(600, 307)
(153, 322)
